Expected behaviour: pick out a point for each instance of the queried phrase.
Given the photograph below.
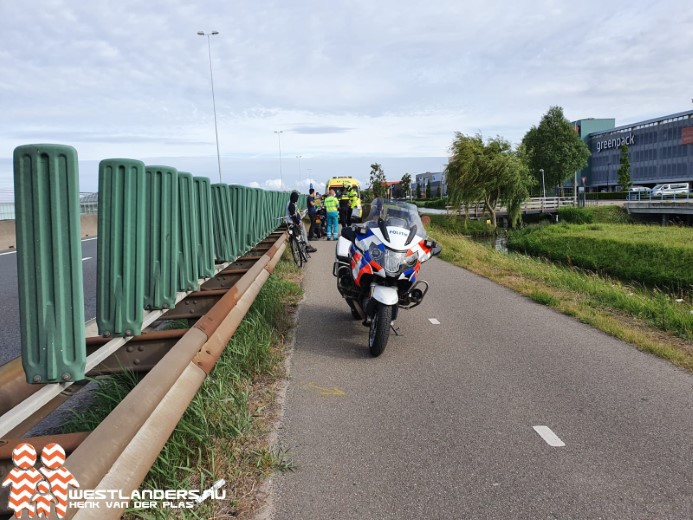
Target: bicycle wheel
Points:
(296, 251)
(304, 253)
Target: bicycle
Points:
(297, 241)
(297, 245)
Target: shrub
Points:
(575, 215)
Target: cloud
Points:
(274, 184)
(344, 79)
(320, 129)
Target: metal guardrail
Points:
(648, 197)
(180, 258)
(86, 207)
(675, 204)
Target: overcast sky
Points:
(347, 82)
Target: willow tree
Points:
(490, 172)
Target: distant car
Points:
(672, 188)
(639, 189)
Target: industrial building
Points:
(437, 182)
(660, 150)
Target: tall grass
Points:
(222, 434)
(594, 214)
(650, 319)
(657, 257)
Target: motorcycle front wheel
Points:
(379, 331)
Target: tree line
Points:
(494, 173)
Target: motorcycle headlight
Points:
(412, 259)
(375, 252)
(393, 261)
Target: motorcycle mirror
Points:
(348, 233)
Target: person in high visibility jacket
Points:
(353, 201)
(345, 205)
(332, 208)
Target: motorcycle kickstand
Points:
(395, 329)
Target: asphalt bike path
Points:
(447, 423)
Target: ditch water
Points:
(499, 243)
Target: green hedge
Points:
(653, 256)
(431, 203)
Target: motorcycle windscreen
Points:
(396, 214)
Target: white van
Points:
(674, 188)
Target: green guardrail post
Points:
(49, 263)
(205, 234)
(235, 243)
(223, 228)
(241, 217)
(120, 245)
(161, 244)
(267, 213)
(187, 234)
(253, 214)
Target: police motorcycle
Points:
(377, 267)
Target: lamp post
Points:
(214, 102)
(543, 185)
(299, 157)
(281, 177)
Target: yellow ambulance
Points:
(337, 183)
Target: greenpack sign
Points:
(615, 143)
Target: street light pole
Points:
(281, 177)
(214, 102)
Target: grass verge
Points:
(224, 432)
(654, 256)
(651, 320)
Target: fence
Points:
(170, 246)
(532, 205)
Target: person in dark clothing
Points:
(312, 209)
(293, 217)
(344, 205)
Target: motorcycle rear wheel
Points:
(379, 332)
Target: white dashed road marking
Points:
(550, 437)
(434, 321)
